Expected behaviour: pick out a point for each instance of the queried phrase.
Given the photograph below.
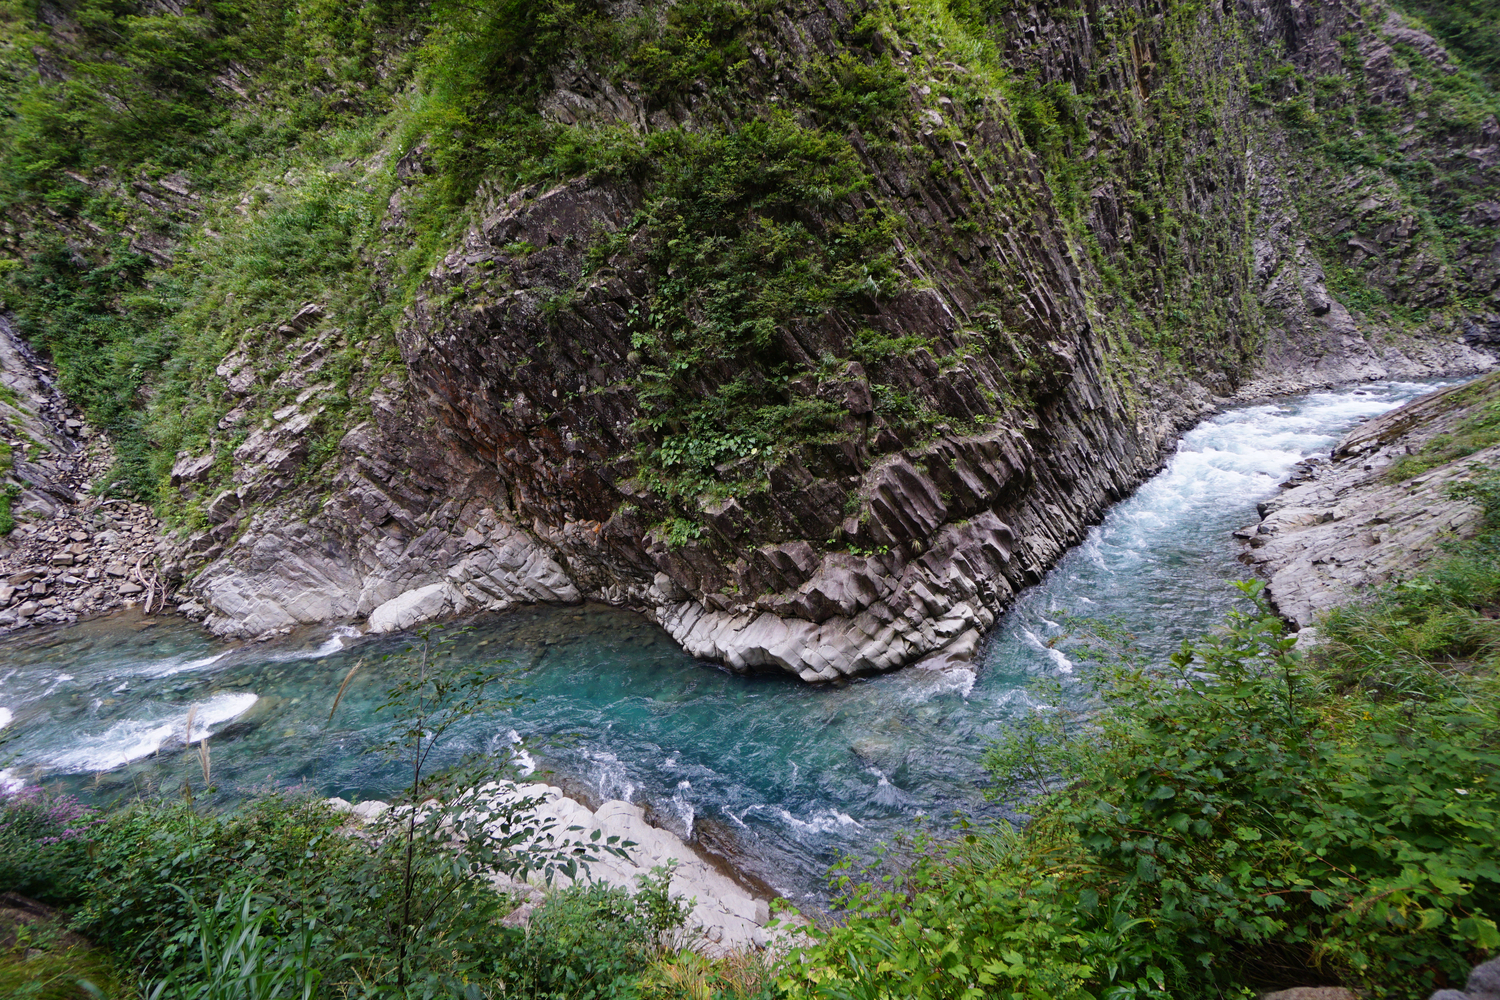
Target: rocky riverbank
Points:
(1379, 506)
(69, 553)
(724, 915)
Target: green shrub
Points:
(230, 958)
(1467, 28)
(851, 93)
(594, 941)
(1235, 818)
(8, 494)
(582, 943)
(43, 843)
(737, 253)
(154, 866)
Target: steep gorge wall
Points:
(869, 333)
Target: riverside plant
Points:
(37, 829)
(1240, 816)
(450, 834)
(234, 959)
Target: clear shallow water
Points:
(776, 774)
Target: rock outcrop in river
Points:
(1379, 508)
(817, 329)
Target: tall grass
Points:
(233, 957)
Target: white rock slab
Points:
(411, 608)
(724, 916)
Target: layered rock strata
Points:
(1353, 521)
(68, 554)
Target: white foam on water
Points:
(520, 755)
(132, 739)
(1061, 662)
(963, 681)
(825, 820)
(220, 708)
(610, 776)
(9, 783)
(333, 644)
(820, 821)
(5, 716)
(175, 665)
(954, 680)
(926, 683)
(886, 794)
(685, 810)
(1147, 551)
(57, 682)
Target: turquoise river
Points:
(778, 776)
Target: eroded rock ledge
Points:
(724, 916)
(1354, 521)
(386, 547)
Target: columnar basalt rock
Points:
(507, 468)
(1069, 255)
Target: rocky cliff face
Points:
(65, 554)
(820, 359)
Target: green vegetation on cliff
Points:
(176, 185)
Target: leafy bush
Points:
(68, 308)
(8, 494)
(1237, 817)
(594, 941)
(1467, 27)
(155, 866)
(737, 254)
(584, 943)
(42, 842)
(851, 93)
